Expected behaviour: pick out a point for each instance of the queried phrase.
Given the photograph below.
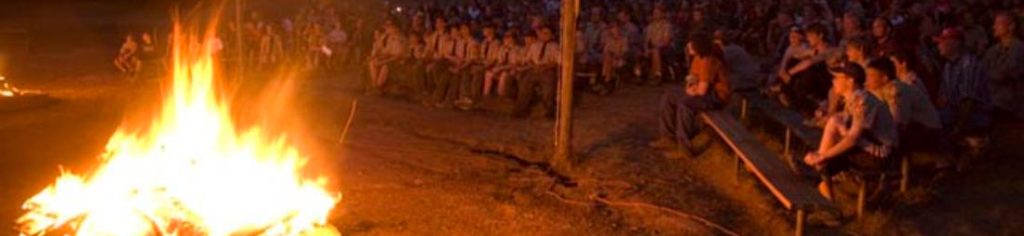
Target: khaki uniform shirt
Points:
(545, 53)
(389, 45)
(489, 51)
(439, 45)
(659, 33)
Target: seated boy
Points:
(860, 137)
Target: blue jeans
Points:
(678, 113)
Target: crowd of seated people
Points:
(878, 77)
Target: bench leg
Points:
(743, 110)
(862, 193)
(905, 173)
(739, 168)
(801, 216)
(786, 145)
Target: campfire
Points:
(191, 171)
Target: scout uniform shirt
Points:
(541, 53)
(389, 45)
(520, 55)
(659, 33)
(490, 51)
(615, 47)
(463, 50)
(438, 45)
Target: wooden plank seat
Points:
(811, 138)
(795, 193)
(790, 119)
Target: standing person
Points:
(336, 40)
(658, 40)
(708, 90)
(148, 55)
(615, 48)
(964, 100)
(631, 32)
(542, 75)
(265, 57)
(362, 39)
(127, 60)
(387, 51)
(314, 46)
(588, 41)
(147, 48)
(1004, 62)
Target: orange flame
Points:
(190, 173)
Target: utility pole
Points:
(563, 127)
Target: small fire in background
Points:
(190, 172)
(6, 89)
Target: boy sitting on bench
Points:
(860, 137)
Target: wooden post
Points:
(563, 132)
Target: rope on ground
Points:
(605, 201)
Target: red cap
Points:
(949, 33)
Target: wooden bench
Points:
(791, 120)
(795, 193)
(811, 138)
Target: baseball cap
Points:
(949, 33)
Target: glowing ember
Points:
(190, 173)
(6, 90)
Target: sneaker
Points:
(464, 104)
